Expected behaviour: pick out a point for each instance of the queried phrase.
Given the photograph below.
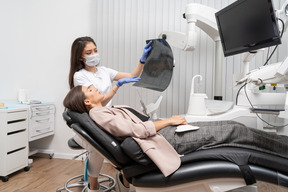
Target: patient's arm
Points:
(119, 123)
(174, 120)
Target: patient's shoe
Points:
(119, 187)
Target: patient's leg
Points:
(225, 133)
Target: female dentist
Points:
(85, 70)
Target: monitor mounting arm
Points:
(196, 15)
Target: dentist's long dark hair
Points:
(76, 62)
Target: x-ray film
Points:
(158, 69)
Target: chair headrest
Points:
(99, 135)
(75, 117)
(67, 118)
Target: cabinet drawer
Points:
(42, 108)
(41, 121)
(41, 129)
(16, 115)
(17, 125)
(16, 160)
(17, 140)
(42, 113)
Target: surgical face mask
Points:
(93, 60)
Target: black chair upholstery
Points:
(73, 145)
(213, 163)
(81, 178)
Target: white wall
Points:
(36, 37)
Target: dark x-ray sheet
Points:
(158, 69)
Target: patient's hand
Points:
(174, 120)
(177, 120)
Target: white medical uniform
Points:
(102, 79)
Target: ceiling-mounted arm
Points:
(196, 15)
(180, 40)
(204, 18)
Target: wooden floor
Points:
(46, 175)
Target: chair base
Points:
(81, 183)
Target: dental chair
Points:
(211, 170)
(82, 178)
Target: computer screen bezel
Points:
(275, 40)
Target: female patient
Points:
(159, 139)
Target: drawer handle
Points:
(42, 108)
(16, 121)
(42, 129)
(42, 114)
(8, 153)
(15, 132)
(42, 120)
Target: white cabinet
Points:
(13, 140)
(41, 121)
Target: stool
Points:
(83, 179)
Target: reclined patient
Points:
(159, 140)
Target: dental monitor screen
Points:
(247, 25)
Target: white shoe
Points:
(119, 187)
(90, 190)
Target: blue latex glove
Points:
(147, 49)
(120, 82)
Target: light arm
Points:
(196, 15)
